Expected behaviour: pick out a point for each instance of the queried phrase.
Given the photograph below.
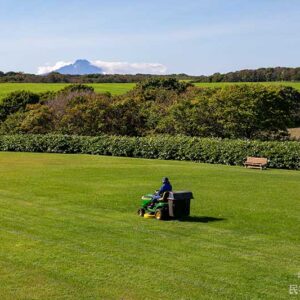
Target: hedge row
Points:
(231, 152)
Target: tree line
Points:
(54, 77)
(156, 106)
(258, 75)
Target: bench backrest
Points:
(257, 160)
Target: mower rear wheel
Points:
(141, 212)
(160, 214)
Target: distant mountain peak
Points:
(80, 67)
(82, 61)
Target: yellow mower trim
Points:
(148, 216)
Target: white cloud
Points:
(130, 68)
(114, 67)
(48, 69)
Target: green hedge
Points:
(231, 152)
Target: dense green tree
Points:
(77, 88)
(86, 117)
(125, 118)
(254, 111)
(166, 83)
(16, 101)
(38, 119)
(12, 123)
(157, 106)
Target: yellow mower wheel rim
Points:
(158, 214)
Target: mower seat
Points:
(164, 197)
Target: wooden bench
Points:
(256, 162)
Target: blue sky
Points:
(192, 36)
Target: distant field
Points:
(295, 85)
(113, 88)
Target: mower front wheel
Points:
(141, 212)
(160, 214)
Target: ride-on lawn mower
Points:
(171, 205)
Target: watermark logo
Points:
(294, 289)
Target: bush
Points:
(77, 88)
(208, 150)
(157, 106)
(15, 102)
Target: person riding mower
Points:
(166, 187)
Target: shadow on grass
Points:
(202, 219)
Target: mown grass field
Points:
(69, 230)
(295, 85)
(113, 88)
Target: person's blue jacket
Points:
(166, 187)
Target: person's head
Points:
(165, 180)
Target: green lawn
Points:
(114, 88)
(69, 230)
(295, 85)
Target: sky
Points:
(192, 36)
